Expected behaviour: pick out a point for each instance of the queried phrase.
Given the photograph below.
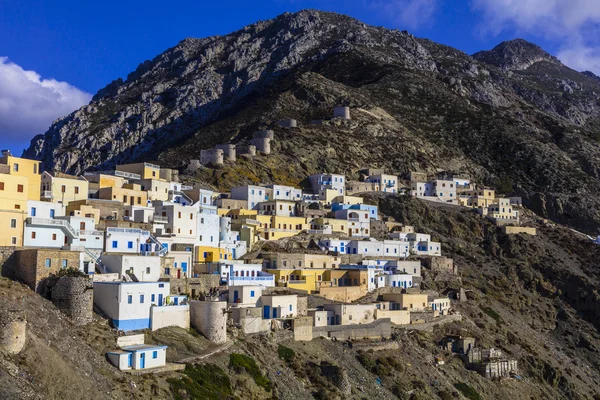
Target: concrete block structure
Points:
(36, 265)
(228, 151)
(262, 144)
(210, 319)
(287, 123)
(211, 156)
(342, 112)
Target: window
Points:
(153, 296)
(147, 270)
(1, 185)
(76, 189)
(350, 317)
(290, 307)
(51, 213)
(130, 245)
(191, 216)
(13, 223)
(16, 167)
(115, 244)
(35, 168)
(63, 189)
(139, 200)
(129, 299)
(33, 211)
(48, 263)
(141, 299)
(65, 263)
(179, 214)
(54, 236)
(155, 354)
(33, 235)
(19, 188)
(161, 285)
(14, 240)
(252, 293)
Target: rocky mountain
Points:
(512, 117)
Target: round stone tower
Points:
(210, 319)
(74, 297)
(13, 330)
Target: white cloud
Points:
(407, 14)
(29, 103)
(571, 24)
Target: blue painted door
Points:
(130, 360)
(236, 296)
(176, 301)
(266, 312)
(184, 267)
(160, 299)
(142, 360)
(274, 313)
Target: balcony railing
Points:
(160, 219)
(354, 219)
(47, 194)
(52, 222)
(127, 230)
(91, 233)
(252, 278)
(296, 281)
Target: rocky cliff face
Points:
(514, 114)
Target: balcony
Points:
(91, 233)
(53, 222)
(353, 219)
(159, 219)
(127, 230)
(296, 282)
(46, 194)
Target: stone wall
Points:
(193, 287)
(440, 265)
(343, 293)
(512, 230)
(303, 329)
(210, 319)
(262, 144)
(7, 261)
(302, 306)
(381, 328)
(32, 269)
(74, 297)
(248, 150)
(228, 151)
(211, 156)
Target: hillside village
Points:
(145, 251)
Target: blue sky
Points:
(55, 54)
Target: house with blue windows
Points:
(138, 357)
(338, 208)
(129, 240)
(128, 304)
(133, 267)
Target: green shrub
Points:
(492, 314)
(468, 391)
(242, 362)
(201, 382)
(286, 354)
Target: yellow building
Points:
(502, 209)
(144, 170)
(483, 197)
(351, 200)
(105, 181)
(13, 207)
(131, 194)
(337, 225)
(63, 188)
(300, 279)
(207, 254)
(282, 227)
(26, 168)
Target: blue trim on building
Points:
(131, 324)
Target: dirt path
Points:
(202, 357)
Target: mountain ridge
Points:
(535, 126)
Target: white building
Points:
(138, 357)
(136, 213)
(281, 208)
(135, 267)
(281, 192)
(62, 232)
(245, 295)
(319, 182)
(45, 209)
(208, 229)
(252, 194)
(230, 240)
(279, 305)
(181, 220)
(387, 183)
(240, 274)
(128, 240)
(336, 245)
(128, 304)
(399, 280)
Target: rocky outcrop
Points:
(200, 80)
(517, 54)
